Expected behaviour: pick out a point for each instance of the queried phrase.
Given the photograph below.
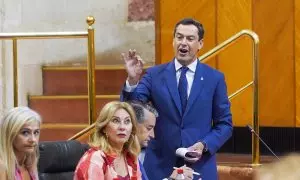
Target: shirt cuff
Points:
(128, 87)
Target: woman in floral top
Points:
(114, 147)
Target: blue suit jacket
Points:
(207, 118)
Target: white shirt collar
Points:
(192, 66)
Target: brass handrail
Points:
(82, 132)
(216, 50)
(15, 72)
(43, 35)
(242, 89)
(89, 34)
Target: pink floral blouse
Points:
(97, 165)
(18, 175)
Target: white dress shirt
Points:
(190, 74)
(142, 155)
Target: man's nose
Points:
(152, 135)
(184, 41)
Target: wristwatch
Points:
(205, 148)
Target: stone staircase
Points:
(64, 103)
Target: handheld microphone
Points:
(252, 131)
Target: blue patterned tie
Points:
(182, 87)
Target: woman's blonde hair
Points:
(100, 140)
(286, 168)
(11, 124)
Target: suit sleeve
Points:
(222, 118)
(142, 92)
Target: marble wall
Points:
(120, 25)
(140, 10)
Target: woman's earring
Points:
(133, 136)
(106, 136)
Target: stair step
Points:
(72, 80)
(66, 109)
(64, 116)
(60, 131)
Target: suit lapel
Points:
(170, 78)
(196, 87)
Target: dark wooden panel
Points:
(280, 140)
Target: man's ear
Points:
(200, 44)
(138, 127)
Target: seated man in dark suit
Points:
(146, 116)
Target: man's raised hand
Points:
(133, 65)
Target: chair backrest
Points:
(58, 159)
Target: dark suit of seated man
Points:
(146, 116)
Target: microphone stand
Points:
(252, 131)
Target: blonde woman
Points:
(115, 146)
(19, 137)
(287, 168)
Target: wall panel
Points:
(170, 13)
(274, 23)
(235, 62)
(297, 61)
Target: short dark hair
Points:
(191, 21)
(139, 109)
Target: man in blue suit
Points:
(192, 102)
